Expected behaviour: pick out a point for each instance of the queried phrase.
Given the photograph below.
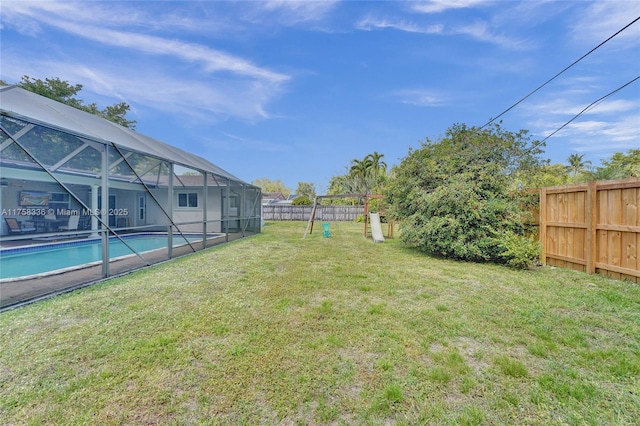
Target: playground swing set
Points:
(371, 220)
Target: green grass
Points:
(276, 329)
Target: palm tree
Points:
(576, 165)
(376, 164)
(376, 168)
(359, 175)
(364, 175)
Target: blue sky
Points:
(294, 90)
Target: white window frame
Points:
(187, 194)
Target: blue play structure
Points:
(326, 233)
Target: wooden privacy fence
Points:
(592, 227)
(330, 213)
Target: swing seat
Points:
(326, 233)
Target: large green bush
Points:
(455, 197)
(302, 201)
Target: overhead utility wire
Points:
(588, 107)
(552, 78)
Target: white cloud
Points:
(201, 18)
(224, 85)
(370, 23)
(438, 6)
(73, 18)
(269, 17)
(37, 12)
(481, 31)
(611, 126)
(568, 107)
(602, 19)
(293, 12)
(615, 107)
(213, 60)
(419, 97)
(232, 142)
(601, 134)
(207, 99)
(478, 30)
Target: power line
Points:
(554, 77)
(588, 107)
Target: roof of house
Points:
(273, 196)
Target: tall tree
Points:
(268, 185)
(64, 92)
(359, 174)
(577, 165)
(364, 176)
(375, 162)
(377, 168)
(620, 166)
(306, 189)
(546, 175)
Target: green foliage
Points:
(116, 113)
(366, 176)
(517, 250)
(579, 170)
(53, 88)
(63, 92)
(302, 201)
(306, 189)
(454, 197)
(620, 166)
(547, 175)
(268, 185)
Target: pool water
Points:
(15, 263)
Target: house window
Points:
(188, 200)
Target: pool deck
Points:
(15, 293)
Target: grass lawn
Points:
(276, 329)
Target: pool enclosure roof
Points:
(22, 104)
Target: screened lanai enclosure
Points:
(83, 199)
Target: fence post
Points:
(543, 226)
(592, 221)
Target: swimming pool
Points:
(47, 258)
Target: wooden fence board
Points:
(580, 211)
(613, 248)
(629, 251)
(552, 208)
(563, 208)
(602, 246)
(592, 227)
(603, 217)
(630, 214)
